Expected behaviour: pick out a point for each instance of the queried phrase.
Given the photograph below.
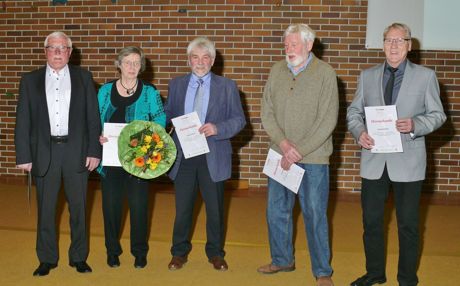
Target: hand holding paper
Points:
(193, 142)
(381, 126)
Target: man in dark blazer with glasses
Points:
(57, 140)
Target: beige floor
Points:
(246, 245)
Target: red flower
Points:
(134, 142)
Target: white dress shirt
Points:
(58, 99)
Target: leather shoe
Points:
(140, 261)
(113, 261)
(324, 281)
(366, 280)
(177, 262)
(272, 269)
(218, 263)
(81, 266)
(44, 268)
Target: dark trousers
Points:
(75, 188)
(194, 173)
(116, 186)
(407, 201)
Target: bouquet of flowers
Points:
(145, 149)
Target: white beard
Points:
(296, 62)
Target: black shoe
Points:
(81, 266)
(44, 268)
(368, 281)
(140, 262)
(113, 261)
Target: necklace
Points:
(129, 91)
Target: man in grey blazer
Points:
(57, 139)
(217, 101)
(415, 92)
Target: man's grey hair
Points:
(399, 26)
(58, 34)
(306, 33)
(204, 44)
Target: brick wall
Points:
(248, 35)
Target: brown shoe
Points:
(272, 269)
(324, 281)
(218, 263)
(177, 262)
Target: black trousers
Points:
(407, 201)
(75, 188)
(116, 186)
(193, 174)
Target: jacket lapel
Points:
(42, 102)
(214, 91)
(182, 92)
(406, 82)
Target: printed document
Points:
(193, 143)
(291, 179)
(381, 126)
(110, 148)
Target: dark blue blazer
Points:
(224, 110)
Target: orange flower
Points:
(139, 162)
(156, 157)
(155, 137)
(134, 142)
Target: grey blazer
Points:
(418, 99)
(224, 110)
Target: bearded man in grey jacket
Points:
(299, 113)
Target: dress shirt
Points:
(399, 75)
(58, 99)
(191, 91)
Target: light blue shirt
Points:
(191, 91)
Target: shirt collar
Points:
(401, 68)
(50, 71)
(205, 78)
(302, 68)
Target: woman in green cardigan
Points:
(122, 101)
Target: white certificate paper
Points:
(381, 126)
(192, 142)
(110, 148)
(291, 179)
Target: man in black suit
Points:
(57, 137)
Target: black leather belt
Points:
(59, 139)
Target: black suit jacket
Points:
(32, 132)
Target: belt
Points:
(59, 139)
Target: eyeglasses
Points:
(131, 64)
(57, 48)
(397, 41)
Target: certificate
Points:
(291, 179)
(110, 148)
(193, 143)
(381, 126)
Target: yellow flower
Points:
(145, 148)
(160, 144)
(147, 139)
(153, 166)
